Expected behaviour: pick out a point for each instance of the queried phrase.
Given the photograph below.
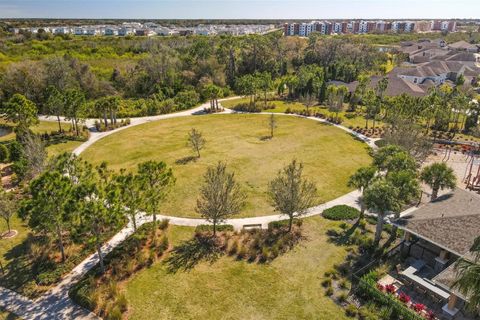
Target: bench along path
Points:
(56, 304)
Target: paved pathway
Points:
(56, 304)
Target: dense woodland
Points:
(158, 75)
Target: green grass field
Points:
(288, 288)
(282, 106)
(9, 245)
(47, 127)
(330, 155)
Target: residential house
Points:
(436, 235)
(463, 46)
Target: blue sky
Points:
(238, 9)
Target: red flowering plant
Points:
(430, 315)
(418, 307)
(405, 298)
(390, 288)
(380, 287)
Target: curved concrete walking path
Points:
(56, 304)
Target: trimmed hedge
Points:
(341, 212)
(283, 223)
(209, 228)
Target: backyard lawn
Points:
(330, 155)
(287, 288)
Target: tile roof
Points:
(462, 45)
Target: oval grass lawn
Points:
(330, 155)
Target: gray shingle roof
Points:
(451, 222)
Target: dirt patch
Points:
(9, 234)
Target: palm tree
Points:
(468, 276)
(360, 180)
(438, 176)
(381, 197)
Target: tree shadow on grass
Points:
(265, 138)
(343, 237)
(186, 160)
(189, 253)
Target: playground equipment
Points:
(472, 171)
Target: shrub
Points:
(163, 225)
(351, 310)
(209, 228)
(122, 302)
(341, 212)
(390, 288)
(327, 283)
(4, 153)
(232, 247)
(329, 291)
(284, 223)
(418, 307)
(163, 245)
(404, 297)
(114, 314)
(343, 284)
(342, 297)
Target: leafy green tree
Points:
(438, 176)
(47, 209)
(31, 158)
(56, 104)
(4, 154)
(74, 107)
(468, 276)
(20, 111)
(382, 157)
(156, 179)
(335, 97)
(265, 84)
(196, 141)
(247, 85)
(96, 204)
(360, 180)
(129, 194)
(290, 193)
(102, 108)
(360, 90)
(382, 198)
(8, 207)
(408, 187)
(220, 196)
(213, 92)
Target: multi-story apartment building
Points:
(360, 27)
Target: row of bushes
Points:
(367, 288)
(70, 135)
(256, 107)
(99, 292)
(255, 245)
(101, 127)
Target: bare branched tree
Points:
(220, 196)
(196, 141)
